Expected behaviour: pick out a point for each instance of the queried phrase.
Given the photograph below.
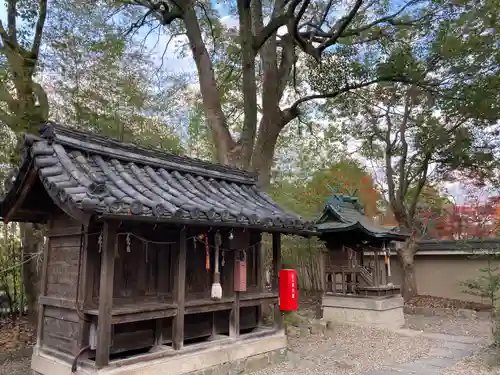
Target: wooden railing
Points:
(366, 275)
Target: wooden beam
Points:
(158, 331)
(256, 237)
(43, 288)
(179, 292)
(278, 317)
(106, 294)
(234, 317)
(24, 190)
(84, 325)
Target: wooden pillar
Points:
(179, 292)
(278, 317)
(376, 277)
(384, 270)
(43, 286)
(256, 238)
(234, 318)
(85, 270)
(106, 294)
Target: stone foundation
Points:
(386, 312)
(229, 357)
(247, 365)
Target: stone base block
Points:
(229, 358)
(386, 312)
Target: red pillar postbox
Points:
(289, 299)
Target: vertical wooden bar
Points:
(106, 294)
(256, 238)
(377, 269)
(179, 292)
(158, 331)
(278, 317)
(84, 327)
(214, 327)
(234, 318)
(91, 258)
(43, 287)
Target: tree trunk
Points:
(32, 243)
(208, 88)
(407, 259)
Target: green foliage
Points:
(106, 80)
(10, 268)
(487, 286)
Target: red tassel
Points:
(207, 254)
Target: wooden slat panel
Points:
(62, 267)
(166, 330)
(127, 341)
(132, 336)
(248, 317)
(141, 316)
(198, 325)
(61, 314)
(61, 335)
(222, 322)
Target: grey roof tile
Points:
(342, 213)
(107, 177)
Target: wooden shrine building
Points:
(150, 257)
(349, 281)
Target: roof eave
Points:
(102, 149)
(359, 226)
(194, 222)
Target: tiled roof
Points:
(472, 245)
(344, 213)
(90, 173)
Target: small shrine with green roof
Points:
(352, 278)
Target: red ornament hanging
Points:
(207, 254)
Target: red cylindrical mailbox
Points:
(289, 299)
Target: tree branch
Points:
(420, 185)
(274, 24)
(37, 39)
(390, 19)
(286, 65)
(342, 26)
(293, 109)
(7, 119)
(403, 181)
(11, 20)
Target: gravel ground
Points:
(352, 350)
(15, 367)
(349, 350)
(479, 327)
(482, 364)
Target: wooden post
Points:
(43, 286)
(234, 318)
(376, 276)
(85, 269)
(256, 238)
(106, 294)
(179, 292)
(278, 317)
(158, 332)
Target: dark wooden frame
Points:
(351, 273)
(66, 306)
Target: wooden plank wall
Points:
(60, 325)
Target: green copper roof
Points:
(344, 213)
